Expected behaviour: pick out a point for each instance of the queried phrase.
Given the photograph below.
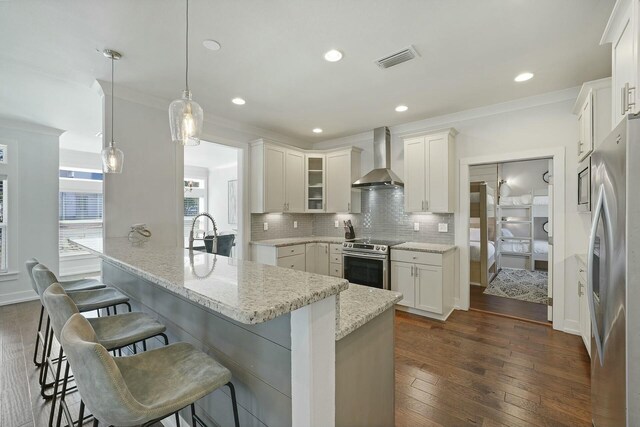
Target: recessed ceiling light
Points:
(523, 77)
(238, 101)
(401, 108)
(211, 44)
(333, 55)
(317, 130)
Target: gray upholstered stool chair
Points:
(144, 388)
(113, 332)
(69, 286)
(85, 301)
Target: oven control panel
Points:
(365, 247)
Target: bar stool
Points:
(85, 301)
(141, 389)
(69, 286)
(113, 332)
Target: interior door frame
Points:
(462, 222)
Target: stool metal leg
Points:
(234, 403)
(35, 350)
(55, 388)
(62, 396)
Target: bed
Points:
(482, 233)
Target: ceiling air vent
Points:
(397, 58)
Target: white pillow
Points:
(505, 190)
(506, 232)
(474, 234)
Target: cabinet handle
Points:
(349, 206)
(426, 205)
(580, 286)
(412, 271)
(422, 206)
(417, 272)
(630, 90)
(623, 98)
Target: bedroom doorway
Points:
(510, 217)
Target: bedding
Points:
(522, 246)
(475, 250)
(540, 200)
(506, 232)
(541, 246)
(525, 199)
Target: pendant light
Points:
(112, 157)
(185, 115)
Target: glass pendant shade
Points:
(112, 159)
(185, 117)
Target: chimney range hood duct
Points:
(381, 176)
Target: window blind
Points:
(80, 206)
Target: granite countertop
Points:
(360, 304)
(290, 241)
(435, 248)
(242, 290)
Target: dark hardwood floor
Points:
(475, 369)
(479, 369)
(507, 306)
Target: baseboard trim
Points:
(572, 327)
(17, 297)
(440, 317)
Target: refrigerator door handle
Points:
(598, 210)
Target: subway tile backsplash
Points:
(382, 217)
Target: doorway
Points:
(510, 237)
(211, 177)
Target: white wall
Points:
(522, 177)
(32, 170)
(218, 195)
(537, 122)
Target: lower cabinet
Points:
(335, 260)
(317, 258)
(426, 280)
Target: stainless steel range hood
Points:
(381, 176)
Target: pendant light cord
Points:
(186, 73)
(112, 100)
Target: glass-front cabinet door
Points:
(315, 191)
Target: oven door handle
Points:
(362, 255)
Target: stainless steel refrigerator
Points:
(613, 277)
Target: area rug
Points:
(520, 284)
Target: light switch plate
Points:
(336, 224)
(265, 226)
(416, 226)
(443, 227)
(295, 224)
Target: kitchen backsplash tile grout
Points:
(382, 217)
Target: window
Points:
(80, 207)
(195, 202)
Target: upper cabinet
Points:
(315, 188)
(429, 168)
(277, 178)
(622, 33)
(285, 179)
(593, 109)
(343, 169)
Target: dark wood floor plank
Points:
(507, 306)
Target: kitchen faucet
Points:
(215, 232)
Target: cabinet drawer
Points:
(291, 250)
(416, 257)
(336, 248)
(335, 270)
(336, 258)
(296, 262)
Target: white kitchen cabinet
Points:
(317, 258)
(583, 303)
(315, 191)
(277, 178)
(429, 172)
(622, 32)
(293, 256)
(295, 262)
(335, 260)
(593, 109)
(402, 281)
(426, 280)
(342, 169)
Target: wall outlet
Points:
(336, 224)
(443, 227)
(265, 226)
(416, 226)
(295, 224)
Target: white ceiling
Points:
(272, 54)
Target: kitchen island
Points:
(304, 349)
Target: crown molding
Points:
(26, 126)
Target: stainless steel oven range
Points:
(366, 262)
